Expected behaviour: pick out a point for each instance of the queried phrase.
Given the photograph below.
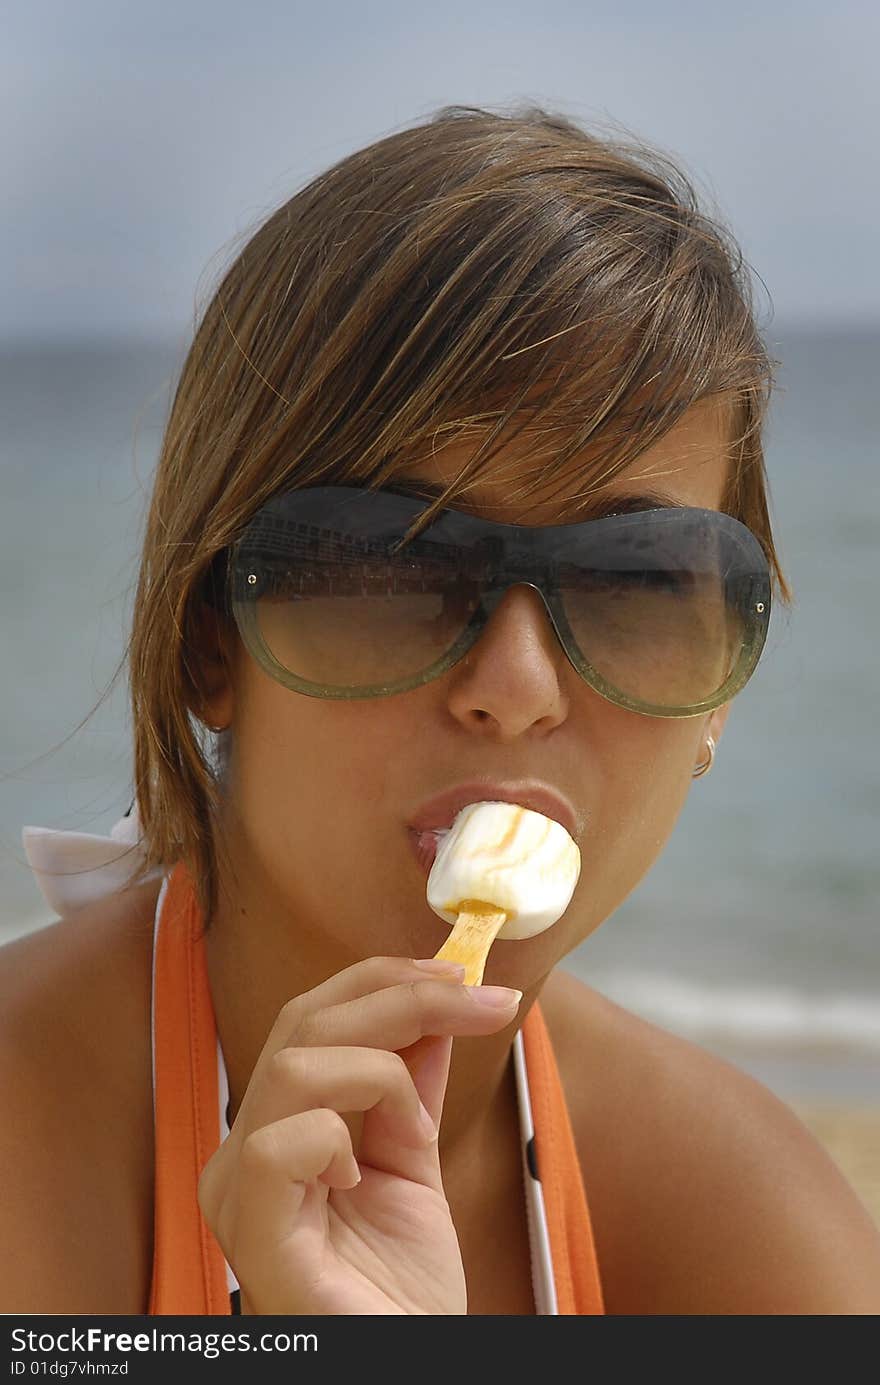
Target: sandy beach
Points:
(851, 1135)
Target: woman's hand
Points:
(306, 1228)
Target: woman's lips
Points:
(424, 845)
(435, 818)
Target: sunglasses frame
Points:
(510, 575)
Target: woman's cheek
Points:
(642, 799)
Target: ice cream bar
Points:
(500, 871)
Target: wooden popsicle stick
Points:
(473, 933)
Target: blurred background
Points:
(140, 144)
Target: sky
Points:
(139, 143)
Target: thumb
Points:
(428, 1062)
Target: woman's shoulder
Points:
(76, 1156)
(707, 1194)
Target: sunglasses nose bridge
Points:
(492, 599)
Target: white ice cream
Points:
(502, 854)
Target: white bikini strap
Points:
(543, 1283)
(75, 869)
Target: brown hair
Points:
(475, 271)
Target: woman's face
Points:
(320, 794)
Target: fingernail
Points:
(498, 997)
(440, 966)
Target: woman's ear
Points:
(212, 660)
(715, 724)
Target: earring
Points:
(707, 764)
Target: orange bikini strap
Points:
(189, 1271)
(575, 1267)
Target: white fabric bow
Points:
(74, 869)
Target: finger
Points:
(428, 1062)
(280, 1156)
(361, 979)
(277, 1219)
(342, 1079)
(398, 1016)
(375, 973)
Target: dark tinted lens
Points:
(661, 603)
(339, 603)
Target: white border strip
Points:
(159, 902)
(543, 1282)
(223, 1090)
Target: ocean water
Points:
(758, 930)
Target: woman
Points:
(358, 611)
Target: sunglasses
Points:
(662, 611)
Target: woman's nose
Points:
(511, 680)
